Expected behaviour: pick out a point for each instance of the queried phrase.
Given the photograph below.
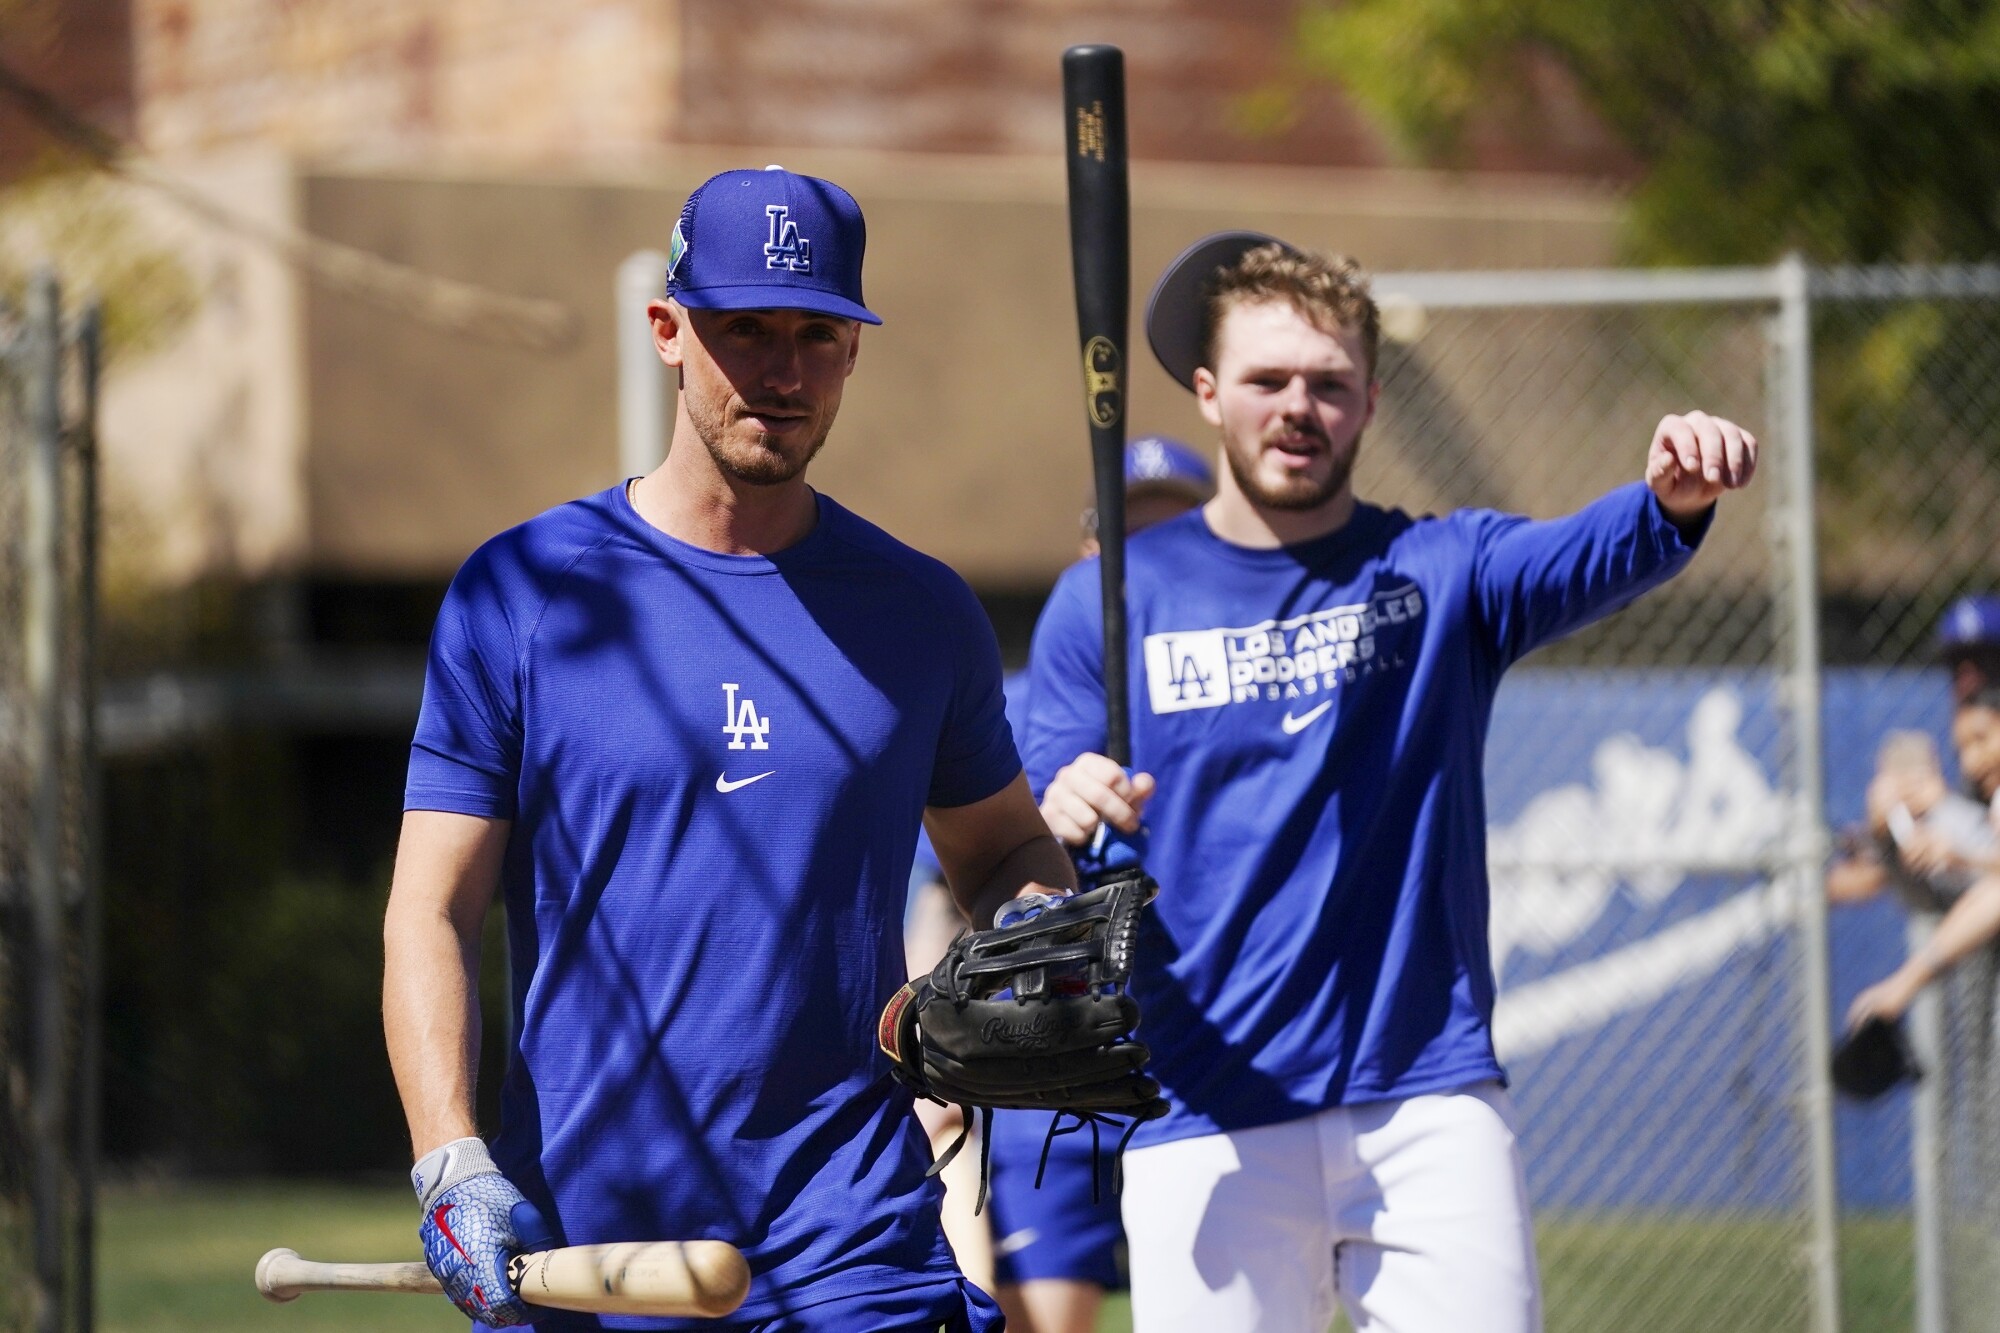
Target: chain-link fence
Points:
(48, 928)
(1661, 785)
(1908, 402)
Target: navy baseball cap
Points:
(769, 240)
(1158, 461)
(1970, 623)
(1173, 313)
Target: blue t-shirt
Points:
(716, 767)
(925, 868)
(1316, 717)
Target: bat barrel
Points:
(697, 1277)
(1100, 232)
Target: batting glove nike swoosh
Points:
(475, 1221)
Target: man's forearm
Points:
(430, 1014)
(1970, 925)
(1039, 862)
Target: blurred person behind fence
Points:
(1922, 838)
(1972, 922)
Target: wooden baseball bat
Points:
(1100, 247)
(698, 1277)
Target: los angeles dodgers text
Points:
(1274, 659)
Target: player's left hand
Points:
(475, 1222)
(1694, 459)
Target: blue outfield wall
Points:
(1647, 1015)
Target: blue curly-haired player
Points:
(687, 730)
(1312, 678)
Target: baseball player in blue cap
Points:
(1312, 677)
(687, 729)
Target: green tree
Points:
(1858, 131)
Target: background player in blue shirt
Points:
(687, 728)
(1312, 678)
(1051, 1247)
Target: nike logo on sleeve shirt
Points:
(1316, 716)
(715, 767)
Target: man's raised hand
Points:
(1694, 459)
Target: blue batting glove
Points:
(475, 1221)
(1025, 908)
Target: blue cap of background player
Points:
(1156, 461)
(1970, 624)
(769, 240)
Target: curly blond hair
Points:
(1329, 290)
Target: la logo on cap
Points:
(769, 240)
(786, 248)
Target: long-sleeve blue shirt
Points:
(1316, 716)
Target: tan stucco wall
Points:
(961, 431)
(203, 439)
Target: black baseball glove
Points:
(1873, 1059)
(1034, 1015)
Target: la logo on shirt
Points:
(1280, 659)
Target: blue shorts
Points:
(1055, 1231)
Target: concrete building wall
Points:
(203, 440)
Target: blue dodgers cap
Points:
(769, 240)
(1970, 623)
(1157, 460)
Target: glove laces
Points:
(1091, 1119)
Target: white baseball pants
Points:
(1412, 1215)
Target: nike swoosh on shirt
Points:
(1294, 725)
(724, 785)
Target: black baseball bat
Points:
(1100, 247)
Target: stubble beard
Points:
(760, 463)
(1296, 493)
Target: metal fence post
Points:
(1926, 1024)
(642, 380)
(89, 1094)
(42, 657)
(1806, 853)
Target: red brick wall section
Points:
(521, 81)
(78, 50)
(982, 76)
(526, 81)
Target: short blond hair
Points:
(1329, 290)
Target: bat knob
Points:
(268, 1282)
